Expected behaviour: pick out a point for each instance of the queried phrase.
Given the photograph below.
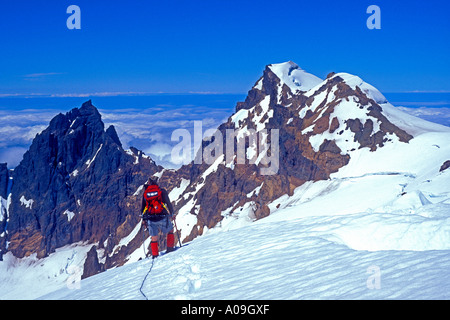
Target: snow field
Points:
(29, 277)
(281, 260)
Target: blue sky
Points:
(217, 46)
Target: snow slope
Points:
(294, 77)
(297, 259)
(409, 179)
(30, 277)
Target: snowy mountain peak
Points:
(361, 95)
(294, 77)
(341, 113)
(321, 129)
(350, 114)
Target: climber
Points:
(157, 215)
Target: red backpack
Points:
(154, 200)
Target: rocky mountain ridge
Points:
(320, 123)
(75, 184)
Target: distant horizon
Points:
(133, 94)
(441, 97)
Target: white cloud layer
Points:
(438, 115)
(149, 130)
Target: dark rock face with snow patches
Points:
(4, 182)
(75, 184)
(4, 178)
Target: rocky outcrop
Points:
(4, 179)
(75, 183)
(445, 166)
(92, 265)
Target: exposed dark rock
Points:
(4, 179)
(330, 74)
(91, 265)
(445, 166)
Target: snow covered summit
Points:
(294, 77)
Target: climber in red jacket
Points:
(157, 215)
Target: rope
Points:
(143, 281)
(151, 267)
(153, 260)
